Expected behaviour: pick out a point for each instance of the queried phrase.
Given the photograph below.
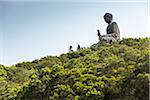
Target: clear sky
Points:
(36, 28)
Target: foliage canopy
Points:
(118, 71)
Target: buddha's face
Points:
(108, 19)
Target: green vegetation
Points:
(118, 71)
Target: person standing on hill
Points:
(70, 49)
(78, 47)
(113, 33)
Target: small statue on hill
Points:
(113, 33)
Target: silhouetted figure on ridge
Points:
(78, 47)
(113, 33)
(70, 49)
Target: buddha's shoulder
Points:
(114, 23)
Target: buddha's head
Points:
(108, 18)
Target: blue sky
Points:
(33, 29)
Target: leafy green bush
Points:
(119, 71)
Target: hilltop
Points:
(117, 71)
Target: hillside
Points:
(118, 71)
